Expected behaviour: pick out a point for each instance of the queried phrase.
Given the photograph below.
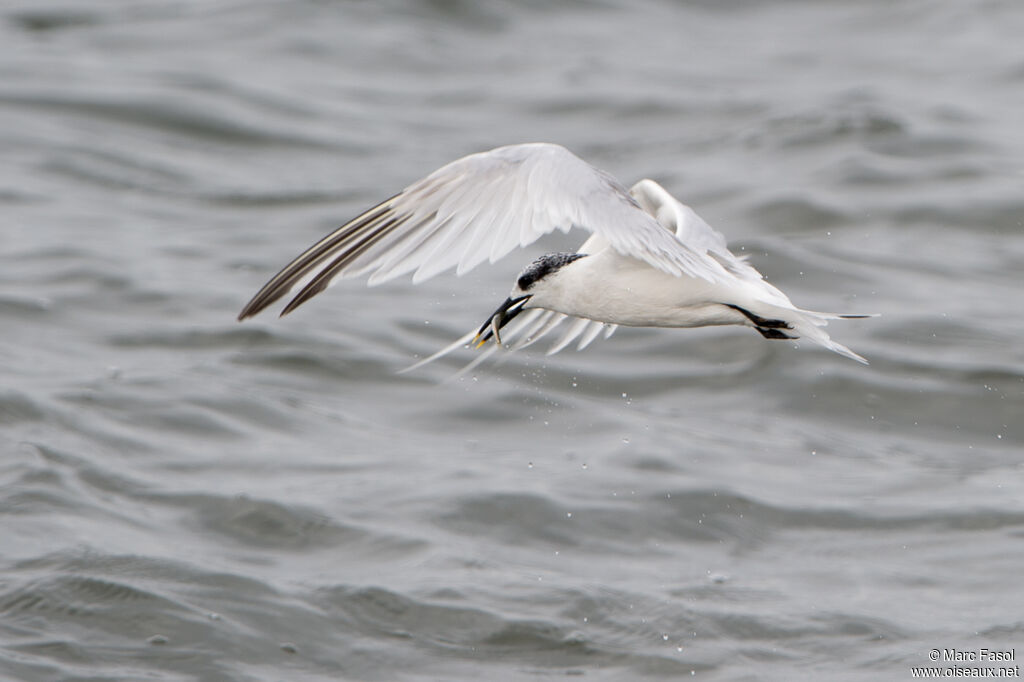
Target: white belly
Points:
(610, 288)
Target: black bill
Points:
(505, 313)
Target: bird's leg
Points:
(774, 333)
(769, 329)
(761, 322)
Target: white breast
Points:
(609, 287)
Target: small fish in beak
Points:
(498, 319)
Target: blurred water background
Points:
(183, 497)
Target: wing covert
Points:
(478, 208)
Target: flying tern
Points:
(649, 261)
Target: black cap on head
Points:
(543, 266)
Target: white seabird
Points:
(650, 261)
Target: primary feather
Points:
(481, 207)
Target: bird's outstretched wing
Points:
(691, 230)
(526, 330)
(479, 208)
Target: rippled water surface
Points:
(183, 497)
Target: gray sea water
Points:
(183, 497)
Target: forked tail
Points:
(780, 322)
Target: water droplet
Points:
(664, 638)
(568, 515)
(158, 639)
(289, 648)
(529, 465)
